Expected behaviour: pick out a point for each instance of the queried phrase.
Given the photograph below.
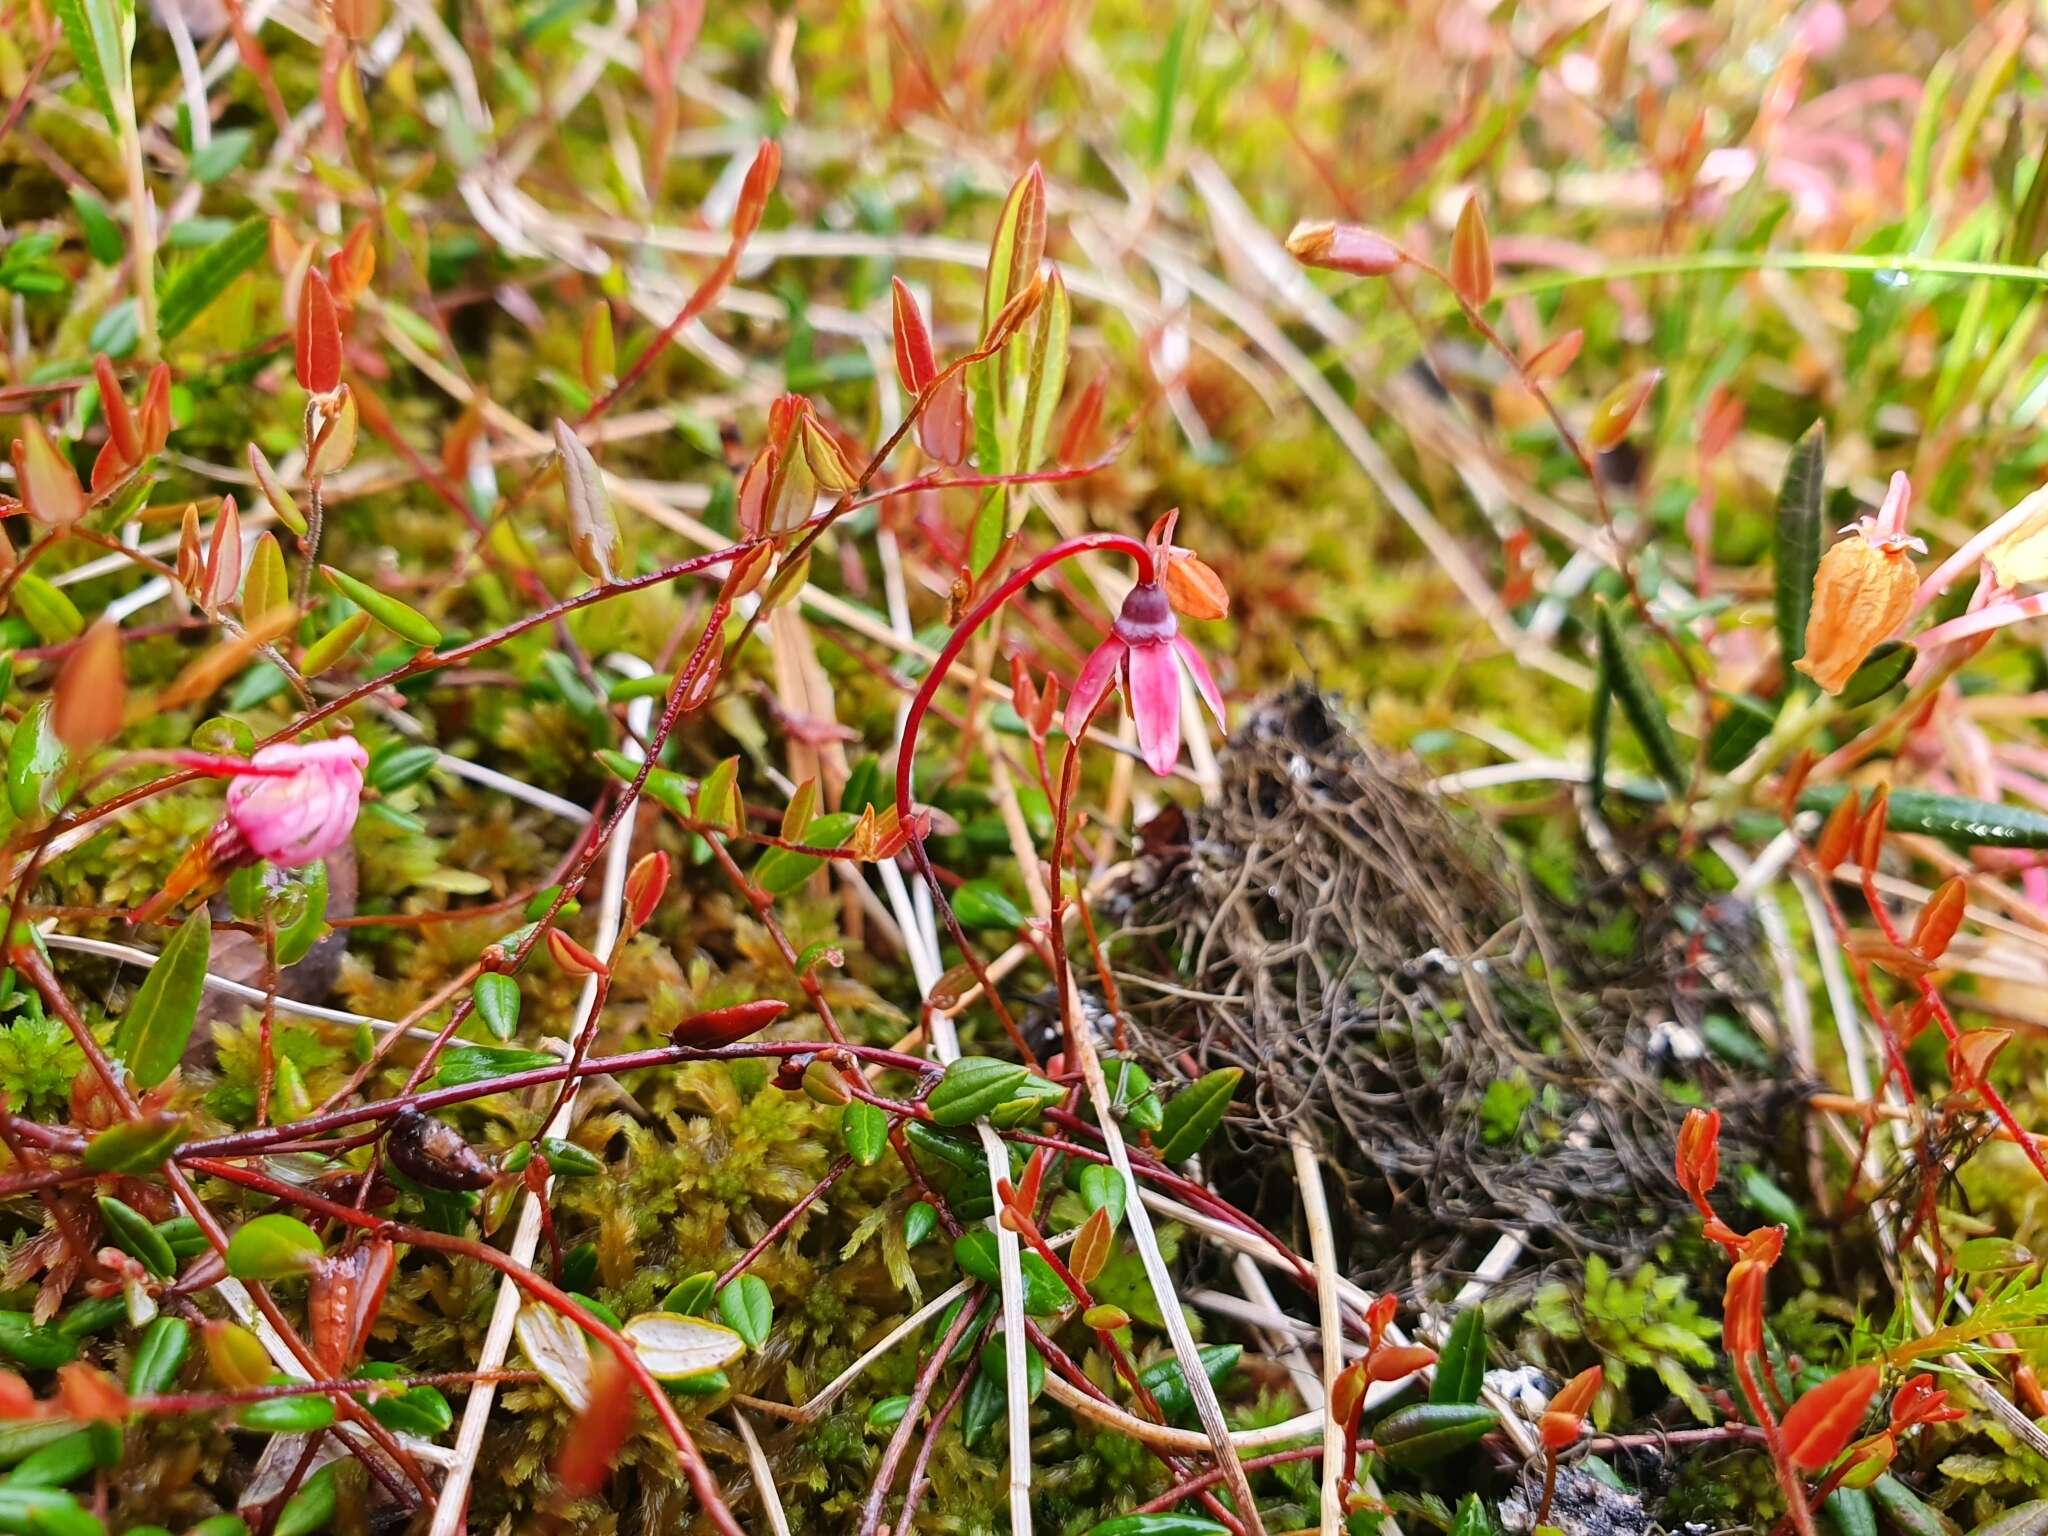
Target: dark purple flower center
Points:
(1147, 617)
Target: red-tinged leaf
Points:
(121, 428)
(316, 337)
(1832, 846)
(1348, 248)
(156, 410)
(754, 191)
(1550, 360)
(726, 1026)
(1614, 415)
(1091, 1247)
(645, 885)
(1971, 1054)
(828, 463)
(942, 427)
(572, 957)
(1022, 306)
(1723, 420)
(600, 1430)
(1819, 1425)
(1576, 1396)
(224, 557)
(1870, 833)
(1080, 438)
(1940, 919)
(285, 250)
(915, 364)
(1398, 1361)
(593, 535)
(49, 487)
(1699, 1153)
(108, 466)
(191, 562)
(17, 1399)
(89, 1394)
(344, 1293)
(92, 692)
(1742, 1307)
(1195, 590)
(1017, 247)
(350, 269)
(1347, 1393)
(1472, 255)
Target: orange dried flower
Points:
(1861, 593)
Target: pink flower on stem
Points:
(1145, 651)
(291, 803)
(306, 813)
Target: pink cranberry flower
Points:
(1145, 652)
(290, 803)
(305, 813)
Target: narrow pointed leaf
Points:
(1796, 543)
(1639, 702)
(155, 1030)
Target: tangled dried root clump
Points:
(1472, 1055)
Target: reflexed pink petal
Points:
(1155, 702)
(1198, 669)
(1097, 672)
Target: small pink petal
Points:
(1097, 673)
(1155, 703)
(307, 814)
(1198, 669)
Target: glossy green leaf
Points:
(287, 1415)
(1850, 1512)
(35, 762)
(48, 609)
(865, 1130)
(781, 870)
(1638, 701)
(1192, 1115)
(888, 1412)
(194, 285)
(1882, 670)
(45, 1512)
(1952, 818)
(159, 1356)
(994, 1359)
(157, 1027)
(985, 904)
(272, 1247)
(466, 1064)
(394, 766)
(1738, 732)
(1797, 543)
(103, 237)
(748, 1309)
(693, 1295)
(136, 1146)
(972, 1086)
(1461, 1364)
(25, 1342)
(1428, 1432)
(296, 938)
(1168, 1384)
(136, 1235)
(1904, 1510)
(401, 619)
(311, 1509)
(978, 1256)
(1102, 1188)
(918, 1223)
(496, 997)
(58, 1464)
